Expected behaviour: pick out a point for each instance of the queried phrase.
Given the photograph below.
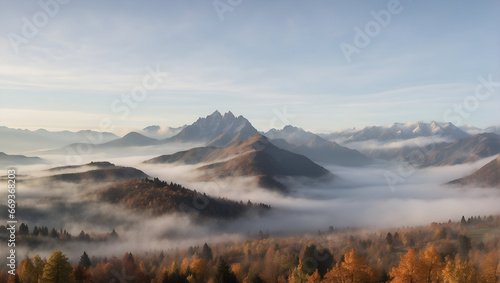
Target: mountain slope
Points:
(158, 197)
(465, 150)
(315, 147)
(255, 156)
(131, 139)
(107, 174)
(486, 176)
(216, 130)
(9, 160)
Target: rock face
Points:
(256, 156)
(315, 147)
(216, 130)
(486, 176)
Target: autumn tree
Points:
(28, 274)
(431, 265)
(353, 269)
(489, 267)
(459, 271)
(39, 265)
(298, 275)
(81, 274)
(57, 269)
(199, 268)
(314, 278)
(407, 270)
(224, 273)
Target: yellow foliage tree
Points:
(489, 267)
(459, 271)
(199, 268)
(431, 267)
(353, 269)
(314, 278)
(407, 270)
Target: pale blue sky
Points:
(264, 56)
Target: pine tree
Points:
(23, 230)
(57, 269)
(206, 253)
(224, 273)
(85, 260)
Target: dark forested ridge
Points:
(159, 197)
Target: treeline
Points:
(39, 235)
(439, 252)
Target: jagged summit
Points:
(217, 130)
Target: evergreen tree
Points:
(57, 269)
(85, 260)
(464, 246)
(113, 234)
(224, 273)
(206, 253)
(23, 230)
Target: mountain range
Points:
(315, 147)
(256, 156)
(19, 141)
(399, 131)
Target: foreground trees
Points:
(445, 252)
(57, 269)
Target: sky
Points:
(320, 65)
